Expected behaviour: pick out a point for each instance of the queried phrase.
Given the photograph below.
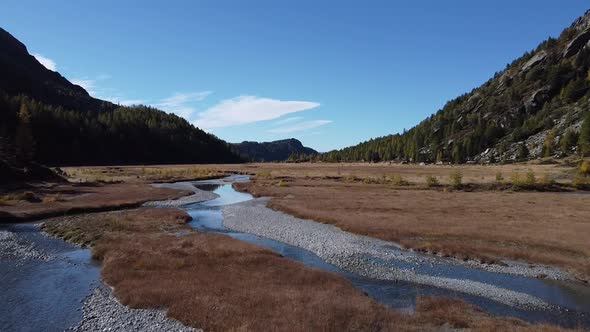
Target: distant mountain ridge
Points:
(272, 151)
(534, 107)
(47, 119)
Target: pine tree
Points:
(25, 144)
(584, 138)
(523, 152)
(569, 139)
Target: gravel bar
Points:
(350, 251)
(198, 196)
(102, 312)
(14, 247)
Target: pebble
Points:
(102, 312)
(365, 256)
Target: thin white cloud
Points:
(301, 126)
(289, 120)
(180, 103)
(102, 77)
(248, 109)
(88, 84)
(124, 102)
(46, 62)
(94, 86)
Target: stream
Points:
(570, 301)
(44, 283)
(43, 292)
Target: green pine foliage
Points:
(117, 135)
(584, 137)
(513, 105)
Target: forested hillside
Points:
(45, 118)
(535, 107)
(272, 151)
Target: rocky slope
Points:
(534, 107)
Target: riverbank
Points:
(49, 199)
(154, 260)
(492, 227)
(212, 281)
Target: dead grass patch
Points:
(487, 225)
(217, 283)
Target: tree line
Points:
(508, 108)
(48, 134)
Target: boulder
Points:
(577, 44)
(535, 60)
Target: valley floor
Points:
(226, 284)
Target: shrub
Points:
(432, 181)
(499, 177)
(581, 182)
(282, 183)
(517, 181)
(584, 168)
(351, 178)
(264, 174)
(546, 179)
(530, 178)
(456, 179)
(398, 180)
(23, 196)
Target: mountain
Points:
(534, 107)
(272, 151)
(21, 73)
(46, 118)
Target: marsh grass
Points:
(28, 196)
(456, 179)
(217, 283)
(398, 181)
(432, 181)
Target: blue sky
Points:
(330, 73)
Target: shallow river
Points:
(46, 293)
(570, 300)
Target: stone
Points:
(535, 60)
(577, 44)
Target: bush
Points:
(432, 181)
(456, 179)
(23, 196)
(499, 177)
(264, 174)
(581, 182)
(584, 168)
(398, 180)
(530, 178)
(546, 179)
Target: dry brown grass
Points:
(141, 174)
(53, 200)
(218, 283)
(550, 228)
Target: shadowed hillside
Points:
(45, 118)
(273, 151)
